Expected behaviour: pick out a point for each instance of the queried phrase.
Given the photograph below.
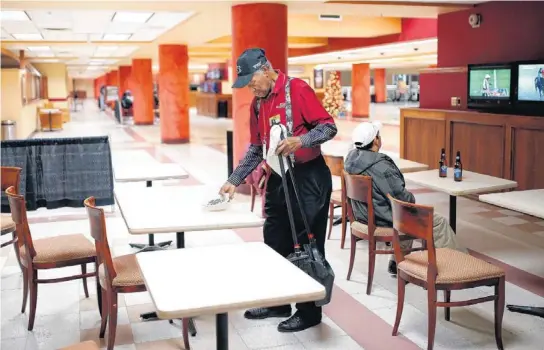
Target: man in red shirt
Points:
(294, 103)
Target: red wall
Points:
(510, 31)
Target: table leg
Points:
(180, 240)
(453, 212)
(222, 331)
(528, 310)
(150, 247)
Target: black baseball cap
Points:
(248, 63)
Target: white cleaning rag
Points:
(271, 158)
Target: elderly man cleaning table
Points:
(365, 159)
(292, 103)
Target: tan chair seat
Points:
(86, 345)
(7, 224)
(363, 228)
(127, 269)
(336, 196)
(61, 248)
(453, 267)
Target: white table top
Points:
(132, 157)
(49, 110)
(164, 209)
(473, 183)
(529, 202)
(145, 172)
(219, 279)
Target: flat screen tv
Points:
(489, 86)
(531, 82)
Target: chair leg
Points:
(331, 219)
(33, 284)
(84, 272)
(98, 292)
(253, 195)
(447, 299)
(105, 307)
(400, 304)
(499, 311)
(17, 252)
(344, 228)
(185, 331)
(25, 289)
(371, 265)
(352, 255)
(112, 315)
(431, 304)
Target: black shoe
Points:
(261, 313)
(298, 322)
(392, 268)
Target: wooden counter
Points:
(207, 104)
(499, 145)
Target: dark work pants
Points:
(314, 183)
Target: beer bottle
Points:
(443, 167)
(458, 168)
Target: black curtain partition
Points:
(61, 172)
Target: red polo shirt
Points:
(307, 112)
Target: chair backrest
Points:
(335, 164)
(17, 205)
(358, 188)
(10, 176)
(97, 221)
(415, 221)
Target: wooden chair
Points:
(46, 253)
(359, 188)
(336, 165)
(10, 177)
(118, 275)
(440, 269)
(86, 345)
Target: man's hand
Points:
(229, 189)
(288, 146)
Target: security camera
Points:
(475, 20)
(416, 48)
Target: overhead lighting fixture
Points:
(116, 37)
(94, 68)
(132, 17)
(107, 48)
(14, 16)
(33, 36)
(39, 48)
(51, 60)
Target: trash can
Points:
(8, 130)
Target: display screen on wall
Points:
(531, 82)
(318, 78)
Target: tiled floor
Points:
(353, 319)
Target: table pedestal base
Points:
(528, 310)
(222, 331)
(151, 246)
(153, 316)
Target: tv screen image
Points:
(489, 83)
(531, 82)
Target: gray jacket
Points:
(386, 178)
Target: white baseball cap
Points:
(365, 132)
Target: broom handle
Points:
(288, 200)
(297, 195)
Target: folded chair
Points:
(440, 269)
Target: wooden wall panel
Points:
(424, 138)
(481, 146)
(527, 165)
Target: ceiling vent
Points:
(336, 18)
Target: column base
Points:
(175, 141)
(244, 189)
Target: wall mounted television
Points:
(529, 94)
(490, 86)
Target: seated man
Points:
(365, 159)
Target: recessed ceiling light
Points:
(14, 16)
(116, 37)
(52, 60)
(94, 68)
(39, 48)
(107, 48)
(33, 36)
(132, 17)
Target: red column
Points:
(142, 78)
(124, 79)
(173, 82)
(380, 87)
(360, 90)
(114, 78)
(255, 25)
